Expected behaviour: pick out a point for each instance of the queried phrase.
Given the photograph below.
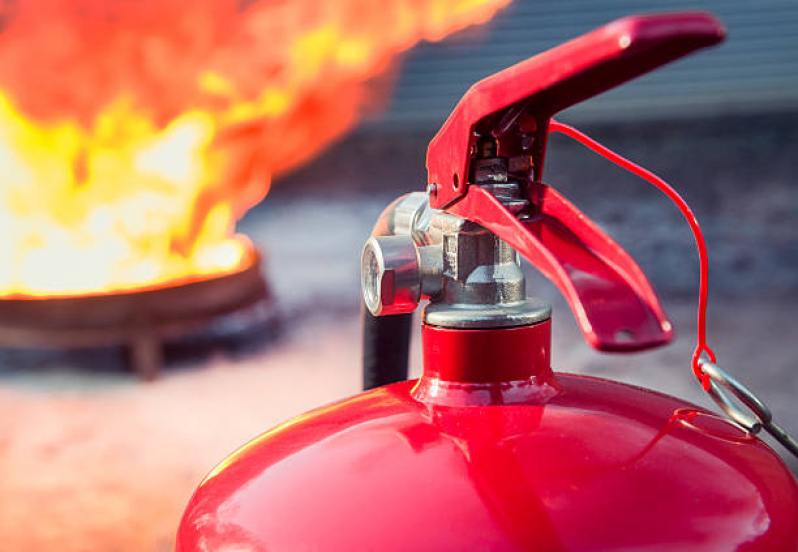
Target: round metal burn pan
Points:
(139, 319)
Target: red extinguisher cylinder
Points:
(490, 449)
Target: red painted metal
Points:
(597, 466)
(490, 450)
(615, 306)
(510, 365)
(701, 348)
(515, 105)
(514, 353)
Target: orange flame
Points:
(133, 134)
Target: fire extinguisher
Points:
(490, 449)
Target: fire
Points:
(133, 135)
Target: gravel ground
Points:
(94, 460)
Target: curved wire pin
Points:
(713, 378)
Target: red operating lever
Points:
(612, 300)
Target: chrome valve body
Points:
(472, 278)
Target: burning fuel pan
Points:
(140, 320)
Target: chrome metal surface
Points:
(483, 284)
(491, 173)
(431, 262)
(390, 275)
(468, 316)
(400, 217)
(472, 278)
(508, 193)
(489, 169)
(759, 415)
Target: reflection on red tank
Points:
(601, 466)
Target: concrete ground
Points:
(92, 459)
(108, 465)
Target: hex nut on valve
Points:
(390, 275)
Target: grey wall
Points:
(756, 69)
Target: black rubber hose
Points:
(386, 347)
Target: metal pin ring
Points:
(753, 422)
(760, 416)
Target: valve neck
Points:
(481, 281)
(481, 367)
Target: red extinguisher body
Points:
(571, 463)
(490, 449)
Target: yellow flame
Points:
(83, 211)
(128, 165)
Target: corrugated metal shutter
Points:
(755, 69)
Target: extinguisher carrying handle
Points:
(515, 104)
(614, 304)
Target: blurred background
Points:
(184, 195)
